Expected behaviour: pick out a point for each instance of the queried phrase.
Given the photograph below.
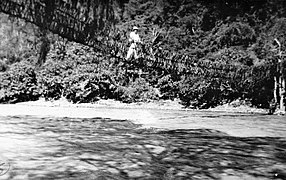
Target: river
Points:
(114, 143)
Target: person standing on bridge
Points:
(134, 39)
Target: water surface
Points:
(108, 143)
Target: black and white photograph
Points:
(142, 89)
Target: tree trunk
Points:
(275, 89)
(44, 47)
(281, 88)
(44, 40)
(279, 81)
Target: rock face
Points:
(97, 148)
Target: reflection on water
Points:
(195, 145)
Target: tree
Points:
(278, 34)
(18, 40)
(235, 34)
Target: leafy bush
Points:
(88, 87)
(235, 34)
(199, 93)
(213, 88)
(19, 84)
(168, 87)
(261, 84)
(81, 91)
(138, 91)
(76, 74)
(51, 79)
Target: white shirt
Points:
(134, 37)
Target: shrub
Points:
(138, 91)
(76, 75)
(88, 87)
(19, 84)
(68, 66)
(235, 34)
(168, 87)
(200, 93)
(51, 79)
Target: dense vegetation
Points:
(204, 52)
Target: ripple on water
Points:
(75, 148)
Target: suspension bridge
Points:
(88, 22)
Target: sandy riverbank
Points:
(161, 104)
(66, 107)
(109, 103)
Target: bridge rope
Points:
(151, 59)
(89, 22)
(185, 64)
(85, 22)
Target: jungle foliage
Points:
(204, 52)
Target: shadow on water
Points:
(99, 148)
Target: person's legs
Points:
(129, 53)
(135, 53)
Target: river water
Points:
(112, 143)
